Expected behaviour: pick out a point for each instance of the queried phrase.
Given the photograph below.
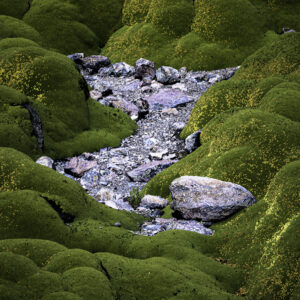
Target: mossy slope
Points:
(54, 87)
(251, 137)
(198, 34)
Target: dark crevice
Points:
(83, 85)
(66, 218)
(36, 124)
(105, 271)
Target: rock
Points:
(143, 107)
(208, 199)
(78, 166)
(167, 98)
(95, 62)
(45, 161)
(167, 75)
(180, 86)
(123, 69)
(117, 224)
(160, 224)
(145, 172)
(153, 202)
(128, 107)
(107, 71)
(215, 79)
(192, 142)
(145, 69)
(95, 95)
(170, 111)
(158, 155)
(178, 127)
(183, 72)
(77, 57)
(285, 30)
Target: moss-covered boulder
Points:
(70, 123)
(198, 34)
(58, 23)
(87, 283)
(65, 260)
(14, 8)
(11, 28)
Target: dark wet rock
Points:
(208, 199)
(77, 57)
(192, 142)
(167, 98)
(78, 166)
(123, 69)
(153, 202)
(95, 62)
(145, 172)
(145, 69)
(167, 75)
(45, 161)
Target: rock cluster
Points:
(161, 101)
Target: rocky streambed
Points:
(160, 100)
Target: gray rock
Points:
(145, 69)
(167, 98)
(178, 127)
(45, 161)
(145, 172)
(126, 106)
(167, 75)
(77, 57)
(159, 224)
(192, 142)
(208, 199)
(123, 69)
(95, 62)
(153, 202)
(107, 71)
(77, 166)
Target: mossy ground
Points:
(59, 243)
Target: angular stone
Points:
(167, 75)
(123, 69)
(107, 71)
(78, 166)
(126, 106)
(145, 172)
(167, 98)
(192, 142)
(153, 202)
(145, 69)
(95, 62)
(45, 161)
(208, 199)
(77, 57)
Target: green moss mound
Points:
(62, 296)
(27, 214)
(135, 11)
(281, 57)
(70, 123)
(59, 24)
(172, 17)
(41, 283)
(17, 42)
(284, 100)
(11, 28)
(15, 267)
(38, 251)
(14, 8)
(102, 17)
(151, 272)
(63, 261)
(234, 22)
(87, 283)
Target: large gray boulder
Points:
(208, 199)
